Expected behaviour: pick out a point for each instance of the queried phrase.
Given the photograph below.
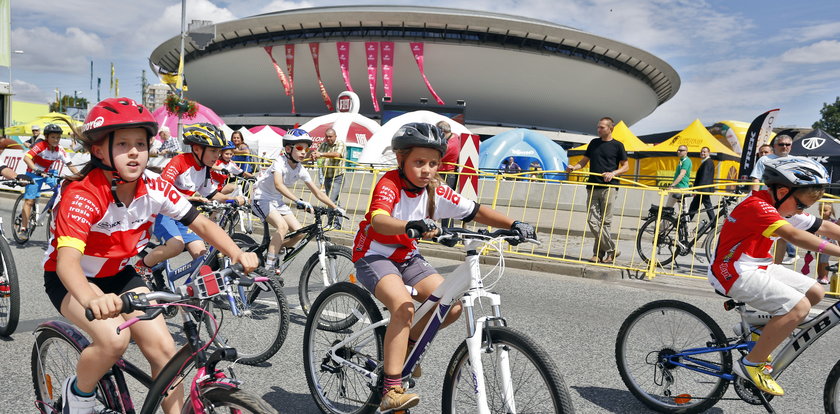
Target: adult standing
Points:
(36, 136)
(682, 176)
(609, 160)
(241, 152)
(332, 152)
(705, 176)
(449, 163)
(781, 148)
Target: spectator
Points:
(781, 148)
(765, 149)
(682, 176)
(609, 160)
(705, 176)
(242, 153)
(511, 167)
(332, 152)
(535, 169)
(163, 148)
(448, 164)
(36, 136)
(827, 214)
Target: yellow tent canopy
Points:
(732, 134)
(50, 118)
(621, 133)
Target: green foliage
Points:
(830, 118)
(68, 101)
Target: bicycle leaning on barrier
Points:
(496, 369)
(37, 217)
(59, 344)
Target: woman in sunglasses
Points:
(275, 183)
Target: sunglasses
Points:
(784, 145)
(301, 147)
(800, 205)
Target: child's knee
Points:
(403, 314)
(114, 346)
(815, 294)
(454, 313)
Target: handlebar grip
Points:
(89, 314)
(126, 307)
(230, 201)
(413, 233)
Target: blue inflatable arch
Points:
(525, 146)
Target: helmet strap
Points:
(410, 187)
(783, 199)
(291, 157)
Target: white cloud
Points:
(48, 51)
(280, 5)
(820, 52)
(27, 92)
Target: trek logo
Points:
(447, 193)
(812, 333)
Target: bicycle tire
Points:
(17, 218)
(311, 284)
(46, 382)
(242, 332)
(331, 382)
(9, 302)
(640, 344)
(547, 389)
(232, 400)
(666, 248)
(831, 392)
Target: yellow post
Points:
(651, 272)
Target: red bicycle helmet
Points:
(116, 113)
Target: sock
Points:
(75, 390)
(747, 362)
(391, 381)
(270, 260)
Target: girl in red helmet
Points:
(101, 220)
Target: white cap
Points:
(164, 128)
(34, 127)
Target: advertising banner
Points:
(386, 50)
(372, 53)
(279, 70)
(343, 49)
(757, 135)
(290, 67)
(314, 50)
(417, 51)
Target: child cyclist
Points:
(411, 198)
(39, 159)
(102, 219)
(190, 174)
(743, 265)
(275, 182)
(225, 167)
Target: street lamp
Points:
(17, 52)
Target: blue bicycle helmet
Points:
(229, 146)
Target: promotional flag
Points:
(386, 50)
(343, 49)
(757, 135)
(91, 75)
(6, 33)
(179, 83)
(417, 51)
(372, 53)
(290, 67)
(314, 51)
(279, 70)
(116, 87)
(111, 88)
(98, 86)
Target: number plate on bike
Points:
(208, 284)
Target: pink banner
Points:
(280, 74)
(343, 49)
(372, 52)
(313, 49)
(417, 51)
(386, 50)
(290, 67)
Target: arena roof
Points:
(510, 70)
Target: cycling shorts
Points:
(127, 279)
(775, 290)
(166, 228)
(263, 207)
(33, 190)
(371, 269)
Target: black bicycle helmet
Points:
(419, 134)
(204, 134)
(794, 172)
(52, 128)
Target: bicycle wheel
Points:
(260, 329)
(710, 243)
(54, 358)
(666, 243)
(335, 386)
(17, 220)
(340, 268)
(222, 400)
(831, 393)
(510, 361)
(662, 328)
(9, 290)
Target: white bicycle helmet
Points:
(794, 172)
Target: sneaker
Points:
(72, 403)
(823, 280)
(758, 375)
(790, 259)
(397, 399)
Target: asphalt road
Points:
(576, 320)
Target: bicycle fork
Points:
(475, 330)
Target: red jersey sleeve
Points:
(386, 194)
(36, 149)
(766, 218)
(75, 215)
(173, 169)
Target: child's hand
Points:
(106, 306)
(248, 260)
(239, 200)
(426, 228)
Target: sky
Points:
(736, 59)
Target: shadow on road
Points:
(618, 401)
(279, 397)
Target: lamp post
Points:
(17, 52)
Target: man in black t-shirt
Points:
(607, 157)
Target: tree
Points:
(68, 101)
(830, 121)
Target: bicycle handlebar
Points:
(449, 236)
(324, 211)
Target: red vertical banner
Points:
(290, 67)
(343, 49)
(279, 70)
(386, 50)
(372, 53)
(314, 50)
(417, 51)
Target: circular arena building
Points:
(507, 71)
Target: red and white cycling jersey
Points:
(43, 156)
(390, 197)
(747, 236)
(220, 178)
(86, 218)
(189, 176)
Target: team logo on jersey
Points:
(449, 194)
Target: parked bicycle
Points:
(675, 358)
(331, 264)
(675, 238)
(37, 217)
(9, 287)
(59, 344)
(495, 370)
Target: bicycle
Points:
(9, 287)
(59, 344)
(36, 217)
(332, 263)
(259, 313)
(492, 370)
(673, 357)
(674, 237)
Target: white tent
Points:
(378, 148)
(266, 143)
(226, 129)
(354, 129)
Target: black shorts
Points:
(127, 279)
